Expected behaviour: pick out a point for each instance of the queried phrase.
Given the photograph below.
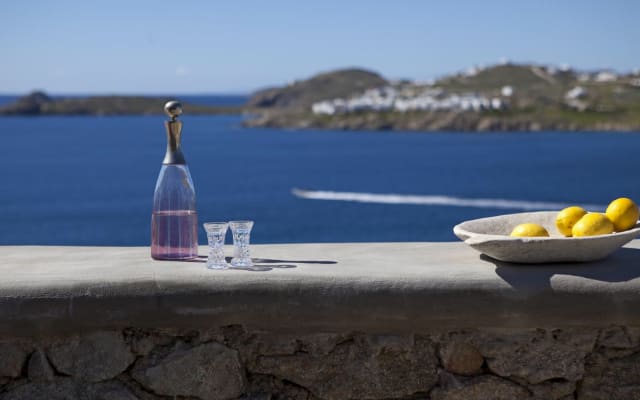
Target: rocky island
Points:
(39, 103)
(506, 97)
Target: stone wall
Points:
(389, 321)
(233, 363)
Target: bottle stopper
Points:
(173, 109)
(174, 130)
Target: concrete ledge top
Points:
(385, 287)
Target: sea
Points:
(90, 180)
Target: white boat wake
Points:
(436, 200)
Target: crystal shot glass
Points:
(241, 235)
(216, 232)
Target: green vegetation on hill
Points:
(528, 97)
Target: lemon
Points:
(568, 217)
(623, 212)
(592, 224)
(526, 230)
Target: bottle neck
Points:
(174, 152)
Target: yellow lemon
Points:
(592, 224)
(568, 217)
(526, 230)
(623, 212)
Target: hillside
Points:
(301, 95)
(508, 97)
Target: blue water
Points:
(90, 180)
(7, 99)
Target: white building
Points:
(576, 93)
(606, 76)
(323, 107)
(565, 67)
(507, 91)
(584, 77)
(388, 98)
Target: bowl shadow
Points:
(621, 266)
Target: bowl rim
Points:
(459, 231)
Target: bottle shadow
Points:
(253, 268)
(199, 259)
(261, 267)
(266, 264)
(621, 266)
(269, 260)
(260, 264)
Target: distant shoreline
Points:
(42, 104)
(500, 98)
(436, 122)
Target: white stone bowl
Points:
(491, 237)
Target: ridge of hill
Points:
(300, 95)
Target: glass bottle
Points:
(174, 221)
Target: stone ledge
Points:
(371, 287)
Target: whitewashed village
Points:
(390, 98)
(403, 96)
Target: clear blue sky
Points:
(132, 46)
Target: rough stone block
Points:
(267, 387)
(272, 345)
(142, 342)
(358, 369)
(95, 357)
(617, 337)
(210, 371)
(12, 359)
(321, 343)
(478, 388)
(611, 379)
(38, 368)
(552, 390)
(533, 356)
(461, 358)
(69, 389)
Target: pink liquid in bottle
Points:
(174, 221)
(174, 235)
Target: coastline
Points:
(41, 104)
(434, 122)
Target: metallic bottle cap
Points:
(174, 130)
(173, 109)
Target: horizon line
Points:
(438, 76)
